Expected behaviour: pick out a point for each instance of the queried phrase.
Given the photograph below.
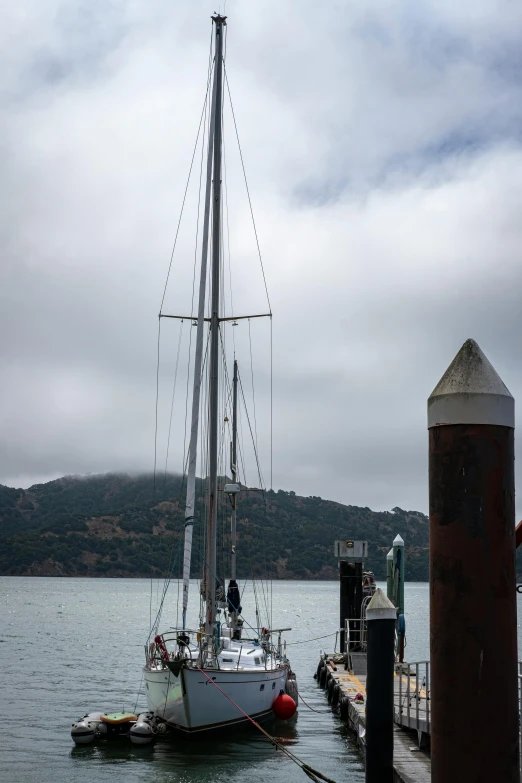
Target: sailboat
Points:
(224, 672)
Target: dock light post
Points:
(473, 621)
(380, 616)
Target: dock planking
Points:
(411, 765)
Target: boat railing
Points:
(157, 654)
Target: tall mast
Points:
(210, 564)
(193, 446)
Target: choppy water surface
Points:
(69, 646)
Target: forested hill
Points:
(121, 525)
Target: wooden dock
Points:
(411, 764)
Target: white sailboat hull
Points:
(190, 703)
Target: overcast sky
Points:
(383, 148)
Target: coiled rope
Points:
(312, 773)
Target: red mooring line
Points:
(235, 705)
(306, 769)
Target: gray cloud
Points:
(385, 167)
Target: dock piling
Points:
(398, 573)
(398, 554)
(380, 616)
(473, 622)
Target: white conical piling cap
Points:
(389, 556)
(471, 392)
(398, 541)
(380, 607)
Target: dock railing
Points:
(355, 644)
(412, 696)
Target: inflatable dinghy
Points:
(140, 729)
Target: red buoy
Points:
(284, 706)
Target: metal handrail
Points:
(417, 716)
(347, 645)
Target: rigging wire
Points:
(247, 188)
(223, 254)
(254, 583)
(157, 403)
(249, 332)
(271, 406)
(202, 121)
(168, 579)
(271, 464)
(155, 448)
(251, 432)
(203, 112)
(172, 401)
(259, 470)
(225, 187)
(207, 128)
(252, 377)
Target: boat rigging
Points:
(252, 670)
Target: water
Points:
(69, 646)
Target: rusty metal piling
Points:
(473, 623)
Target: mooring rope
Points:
(312, 773)
(319, 712)
(306, 641)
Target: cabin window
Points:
(262, 687)
(256, 660)
(273, 685)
